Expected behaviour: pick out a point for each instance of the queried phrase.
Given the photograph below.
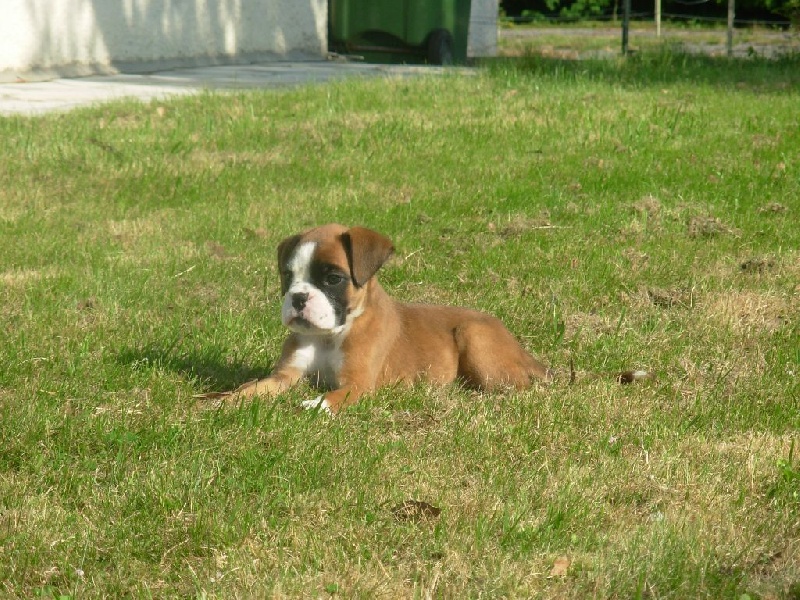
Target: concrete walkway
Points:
(33, 98)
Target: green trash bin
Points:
(432, 31)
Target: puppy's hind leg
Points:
(490, 356)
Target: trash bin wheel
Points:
(440, 47)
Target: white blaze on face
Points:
(313, 312)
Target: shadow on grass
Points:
(213, 371)
(662, 67)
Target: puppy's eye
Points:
(287, 275)
(333, 279)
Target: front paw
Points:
(319, 403)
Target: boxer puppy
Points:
(350, 337)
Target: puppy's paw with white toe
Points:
(319, 403)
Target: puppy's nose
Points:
(299, 300)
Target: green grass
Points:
(615, 214)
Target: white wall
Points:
(73, 37)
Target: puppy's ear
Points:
(366, 250)
(285, 249)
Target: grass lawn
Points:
(640, 213)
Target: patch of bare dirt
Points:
(706, 227)
(519, 224)
(757, 264)
(648, 205)
(671, 298)
(415, 511)
(775, 208)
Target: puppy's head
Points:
(325, 276)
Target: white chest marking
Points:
(320, 358)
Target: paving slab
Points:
(59, 95)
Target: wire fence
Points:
(754, 22)
(644, 16)
(576, 38)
